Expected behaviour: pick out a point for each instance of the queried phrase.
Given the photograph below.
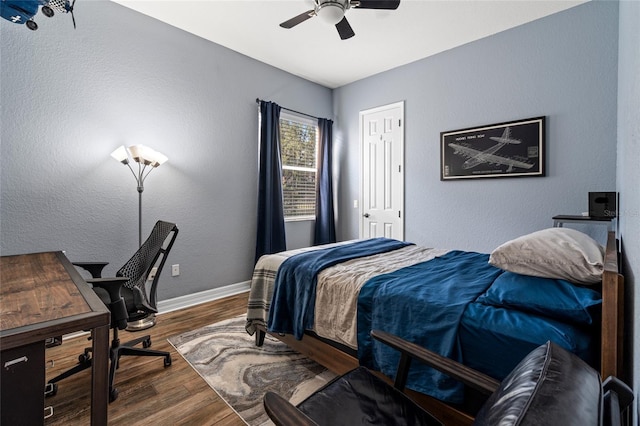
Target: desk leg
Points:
(100, 376)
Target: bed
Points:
(323, 301)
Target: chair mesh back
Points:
(138, 267)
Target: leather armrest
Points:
(460, 372)
(283, 413)
(624, 393)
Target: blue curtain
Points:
(325, 228)
(271, 236)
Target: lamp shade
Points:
(141, 153)
(159, 159)
(121, 154)
(154, 157)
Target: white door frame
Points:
(362, 114)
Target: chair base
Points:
(128, 349)
(142, 324)
(116, 351)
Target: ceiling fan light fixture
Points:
(330, 12)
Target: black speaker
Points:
(602, 205)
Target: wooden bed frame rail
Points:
(612, 332)
(611, 342)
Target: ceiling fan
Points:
(333, 11)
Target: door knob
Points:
(366, 215)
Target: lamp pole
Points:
(140, 189)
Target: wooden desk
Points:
(41, 296)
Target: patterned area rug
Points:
(241, 373)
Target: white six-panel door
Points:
(382, 140)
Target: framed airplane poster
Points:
(512, 149)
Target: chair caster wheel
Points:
(146, 343)
(113, 395)
(167, 361)
(83, 358)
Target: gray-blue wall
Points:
(70, 97)
(628, 177)
(563, 67)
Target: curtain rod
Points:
(291, 110)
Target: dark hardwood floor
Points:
(149, 393)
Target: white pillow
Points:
(559, 253)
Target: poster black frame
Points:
(474, 149)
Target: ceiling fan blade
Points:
(378, 4)
(344, 29)
(298, 19)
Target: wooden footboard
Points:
(611, 342)
(612, 336)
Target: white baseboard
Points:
(189, 300)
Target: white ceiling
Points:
(313, 50)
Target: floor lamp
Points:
(147, 159)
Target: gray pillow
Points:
(558, 253)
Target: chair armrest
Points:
(460, 372)
(111, 285)
(107, 280)
(106, 283)
(94, 268)
(116, 304)
(283, 413)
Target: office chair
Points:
(550, 386)
(126, 297)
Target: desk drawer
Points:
(22, 385)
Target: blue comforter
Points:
(294, 295)
(424, 304)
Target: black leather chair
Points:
(128, 297)
(550, 386)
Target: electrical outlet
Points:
(153, 273)
(175, 270)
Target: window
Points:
(298, 145)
